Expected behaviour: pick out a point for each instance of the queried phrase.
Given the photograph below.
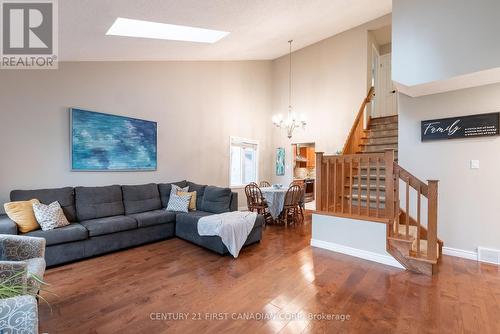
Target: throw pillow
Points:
(50, 216)
(179, 203)
(192, 202)
(176, 188)
(21, 213)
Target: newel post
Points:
(319, 181)
(389, 185)
(432, 216)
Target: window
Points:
(243, 162)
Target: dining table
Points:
(275, 198)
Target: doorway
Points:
(385, 93)
(304, 171)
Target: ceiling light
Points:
(148, 29)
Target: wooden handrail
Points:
(430, 192)
(357, 130)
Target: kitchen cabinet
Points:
(311, 157)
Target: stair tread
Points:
(379, 144)
(381, 187)
(376, 137)
(365, 197)
(401, 237)
(377, 130)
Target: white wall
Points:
(436, 40)
(329, 82)
(468, 204)
(198, 106)
(363, 239)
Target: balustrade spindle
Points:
(407, 222)
(360, 164)
(350, 187)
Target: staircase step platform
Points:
(402, 238)
(373, 187)
(385, 119)
(380, 140)
(388, 126)
(380, 133)
(364, 198)
(391, 144)
(364, 177)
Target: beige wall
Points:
(468, 198)
(198, 106)
(330, 80)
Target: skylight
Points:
(148, 29)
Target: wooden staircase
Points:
(381, 134)
(366, 182)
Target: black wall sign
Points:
(461, 127)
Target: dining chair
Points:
(291, 208)
(257, 203)
(264, 184)
(302, 203)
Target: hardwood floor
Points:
(281, 276)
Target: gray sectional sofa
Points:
(105, 219)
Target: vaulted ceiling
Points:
(259, 29)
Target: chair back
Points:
(254, 196)
(293, 195)
(264, 184)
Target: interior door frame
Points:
(375, 80)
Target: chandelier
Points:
(292, 121)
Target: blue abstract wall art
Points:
(103, 142)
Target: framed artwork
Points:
(104, 142)
(280, 161)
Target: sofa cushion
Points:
(70, 233)
(216, 200)
(141, 198)
(200, 191)
(108, 225)
(151, 218)
(166, 188)
(98, 202)
(65, 197)
(191, 218)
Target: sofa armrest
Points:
(7, 226)
(22, 309)
(19, 248)
(14, 273)
(233, 206)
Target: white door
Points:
(387, 104)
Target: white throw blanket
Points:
(232, 227)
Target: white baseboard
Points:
(460, 253)
(362, 254)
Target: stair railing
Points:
(351, 145)
(351, 186)
(359, 186)
(407, 181)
